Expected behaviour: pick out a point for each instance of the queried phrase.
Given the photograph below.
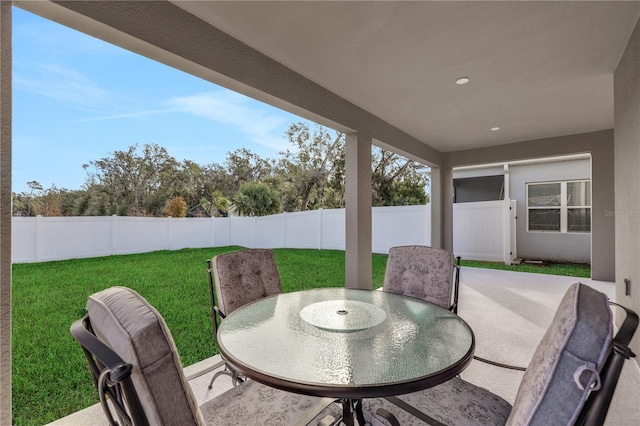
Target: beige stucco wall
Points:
(5, 212)
(627, 175)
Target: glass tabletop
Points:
(342, 342)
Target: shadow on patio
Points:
(508, 312)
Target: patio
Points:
(554, 78)
(508, 312)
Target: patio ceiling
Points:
(386, 70)
(537, 69)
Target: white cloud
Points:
(131, 114)
(73, 88)
(260, 125)
(61, 83)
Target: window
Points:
(559, 206)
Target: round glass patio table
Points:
(346, 343)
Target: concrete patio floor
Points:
(508, 312)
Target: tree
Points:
(311, 167)
(53, 201)
(244, 166)
(256, 199)
(49, 203)
(313, 174)
(217, 207)
(93, 201)
(135, 184)
(33, 185)
(176, 207)
(396, 180)
(310, 175)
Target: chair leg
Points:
(235, 377)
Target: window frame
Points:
(563, 207)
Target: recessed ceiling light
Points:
(495, 129)
(463, 80)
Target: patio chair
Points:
(236, 279)
(135, 366)
(570, 379)
(424, 272)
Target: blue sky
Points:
(77, 99)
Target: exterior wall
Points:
(5, 212)
(627, 176)
(599, 145)
(570, 247)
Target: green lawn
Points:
(50, 379)
(572, 270)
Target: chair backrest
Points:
(567, 363)
(135, 331)
(422, 272)
(244, 276)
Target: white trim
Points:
(563, 207)
(529, 161)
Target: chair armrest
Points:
(109, 372)
(595, 409)
(628, 327)
(219, 312)
(456, 285)
(119, 369)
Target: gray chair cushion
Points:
(422, 272)
(254, 404)
(455, 402)
(555, 386)
(578, 340)
(244, 276)
(131, 327)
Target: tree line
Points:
(147, 181)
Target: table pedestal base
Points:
(350, 408)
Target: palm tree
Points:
(256, 199)
(217, 207)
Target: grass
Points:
(564, 269)
(50, 379)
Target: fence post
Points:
(114, 219)
(168, 233)
(212, 231)
(39, 238)
(284, 229)
(427, 214)
(320, 229)
(506, 230)
(255, 232)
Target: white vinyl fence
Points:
(485, 230)
(42, 239)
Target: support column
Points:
(435, 201)
(626, 87)
(358, 194)
(5, 212)
(507, 249)
(446, 207)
